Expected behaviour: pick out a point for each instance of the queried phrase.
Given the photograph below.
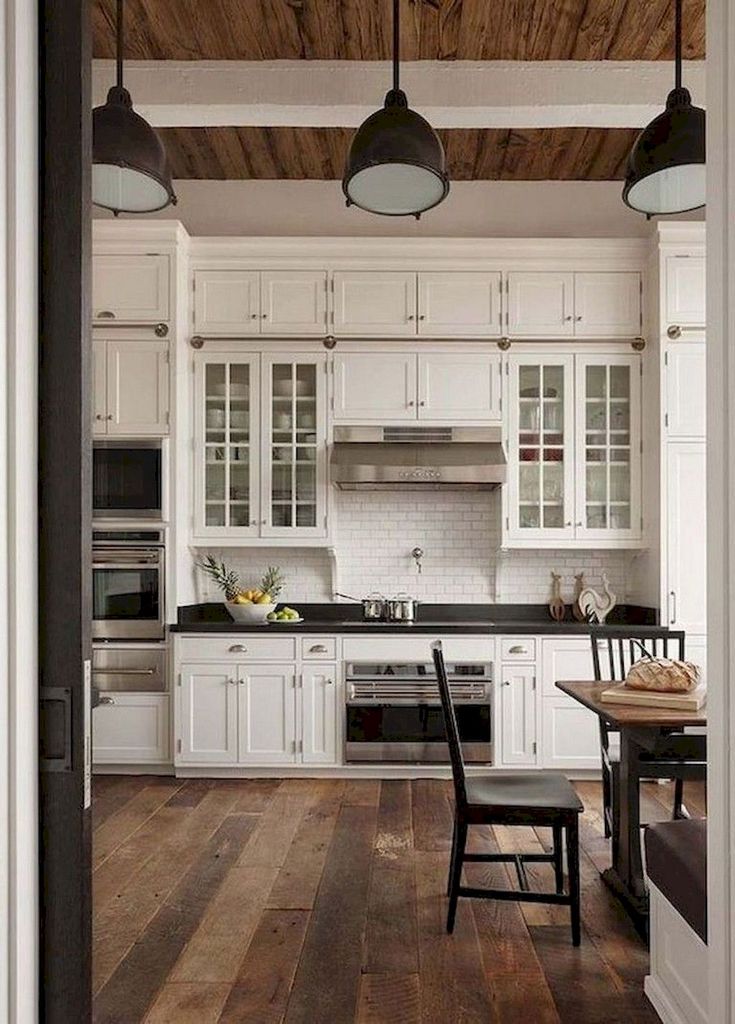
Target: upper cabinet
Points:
(459, 387)
(595, 304)
(684, 292)
(685, 390)
(130, 288)
(252, 302)
(131, 392)
(464, 303)
(374, 387)
(374, 303)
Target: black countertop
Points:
(342, 618)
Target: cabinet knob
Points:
(568, 522)
(578, 318)
(238, 649)
(317, 649)
(422, 402)
(263, 522)
(674, 331)
(99, 416)
(410, 316)
(263, 316)
(411, 402)
(422, 316)
(232, 682)
(109, 416)
(253, 522)
(505, 683)
(579, 523)
(568, 317)
(329, 682)
(253, 316)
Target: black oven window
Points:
(415, 724)
(127, 479)
(125, 594)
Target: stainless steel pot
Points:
(401, 608)
(373, 606)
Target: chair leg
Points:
(573, 869)
(558, 858)
(453, 856)
(456, 874)
(607, 803)
(680, 810)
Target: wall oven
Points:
(394, 713)
(128, 479)
(128, 576)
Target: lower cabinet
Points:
(517, 719)
(570, 736)
(131, 728)
(256, 714)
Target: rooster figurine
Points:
(595, 606)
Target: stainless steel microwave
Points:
(128, 479)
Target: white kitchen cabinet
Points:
(685, 397)
(227, 302)
(462, 303)
(684, 291)
(293, 302)
(460, 387)
(267, 714)
(518, 714)
(207, 726)
(374, 303)
(607, 304)
(131, 387)
(130, 287)
(540, 304)
(607, 450)
(131, 728)
(569, 732)
(374, 387)
(319, 713)
(685, 562)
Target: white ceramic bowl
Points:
(250, 613)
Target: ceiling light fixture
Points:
(666, 167)
(396, 165)
(130, 171)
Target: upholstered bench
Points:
(676, 865)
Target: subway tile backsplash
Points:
(460, 535)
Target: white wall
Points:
(473, 209)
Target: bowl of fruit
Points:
(251, 606)
(284, 614)
(248, 606)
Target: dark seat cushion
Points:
(522, 791)
(676, 861)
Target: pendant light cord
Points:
(677, 51)
(119, 44)
(396, 43)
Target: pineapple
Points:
(226, 579)
(272, 583)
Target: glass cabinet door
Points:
(608, 446)
(294, 449)
(540, 495)
(228, 407)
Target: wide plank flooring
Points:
(323, 902)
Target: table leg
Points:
(625, 877)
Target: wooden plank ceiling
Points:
(538, 154)
(431, 29)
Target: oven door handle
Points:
(388, 702)
(128, 563)
(123, 671)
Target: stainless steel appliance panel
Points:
(131, 669)
(128, 578)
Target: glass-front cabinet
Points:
(260, 448)
(573, 451)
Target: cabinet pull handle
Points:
(106, 700)
(105, 314)
(672, 594)
(238, 649)
(317, 649)
(517, 649)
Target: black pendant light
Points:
(666, 167)
(130, 171)
(396, 164)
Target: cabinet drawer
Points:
(319, 648)
(237, 648)
(384, 648)
(518, 648)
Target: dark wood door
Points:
(65, 510)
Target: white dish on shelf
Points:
(237, 390)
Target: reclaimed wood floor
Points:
(322, 902)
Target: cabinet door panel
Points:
(137, 387)
(267, 714)
(570, 734)
(293, 302)
(207, 726)
(607, 304)
(374, 387)
(462, 303)
(227, 302)
(540, 304)
(99, 383)
(685, 291)
(686, 531)
(459, 387)
(319, 713)
(686, 389)
(518, 714)
(565, 659)
(130, 287)
(134, 729)
(540, 489)
(373, 303)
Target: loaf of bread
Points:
(663, 675)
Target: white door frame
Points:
(18, 512)
(721, 504)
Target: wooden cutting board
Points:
(621, 694)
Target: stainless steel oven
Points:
(128, 578)
(393, 712)
(127, 479)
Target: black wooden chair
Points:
(614, 651)
(510, 798)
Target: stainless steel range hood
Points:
(417, 458)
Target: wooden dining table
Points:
(651, 742)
